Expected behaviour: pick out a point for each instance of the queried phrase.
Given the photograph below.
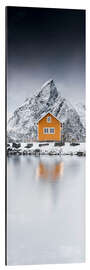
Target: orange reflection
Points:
(57, 171)
(52, 172)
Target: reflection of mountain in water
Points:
(51, 172)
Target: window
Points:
(51, 130)
(49, 119)
(46, 130)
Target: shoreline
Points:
(37, 149)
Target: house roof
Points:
(47, 114)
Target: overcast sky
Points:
(44, 44)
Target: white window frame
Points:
(44, 130)
(48, 130)
(51, 132)
(49, 117)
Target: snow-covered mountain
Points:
(22, 125)
(81, 110)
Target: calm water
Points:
(45, 209)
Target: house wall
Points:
(54, 123)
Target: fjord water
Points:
(45, 209)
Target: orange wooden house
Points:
(49, 128)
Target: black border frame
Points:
(6, 135)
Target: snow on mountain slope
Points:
(81, 110)
(22, 125)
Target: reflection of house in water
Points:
(52, 172)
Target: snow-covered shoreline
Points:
(37, 148)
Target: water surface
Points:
(45, 209)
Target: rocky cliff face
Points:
(22, 125)
(81, 110)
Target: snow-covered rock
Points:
(81, 110)
(22, 125)
(49, 149)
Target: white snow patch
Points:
(46, 149)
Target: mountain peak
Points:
(48, 91)
(49, 82)
(23, 123)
